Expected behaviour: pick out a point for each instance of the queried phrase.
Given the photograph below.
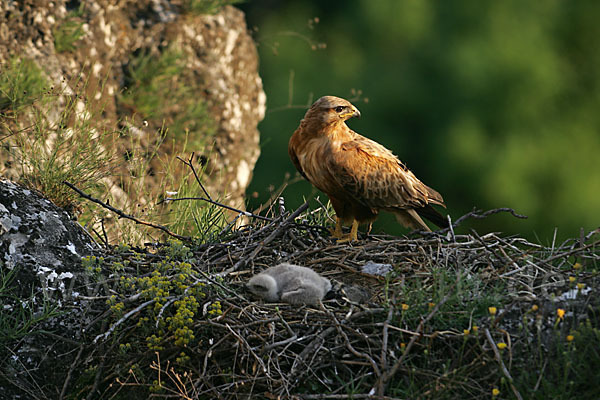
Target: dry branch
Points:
(126, 216)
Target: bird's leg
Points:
(352, 236)
(354, 231)
(337, 232)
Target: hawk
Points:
(360, 176)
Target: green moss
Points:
(160, 89)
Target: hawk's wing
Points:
(294, 157)
(374, 177)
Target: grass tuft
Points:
(211, 7)
(159, 91)
(22, 83)
(68, 32)
(52, 143)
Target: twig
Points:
(68, 378)
(189, 164)
(216, 203)
(352, 349)
(385, 330)
(570, 252)
(208, 198)
(244, 261)
(126, 216)
(477, 214)
(501, 363)
(384, 379)
(123, 319)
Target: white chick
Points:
(289, 283)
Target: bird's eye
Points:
(339, 109)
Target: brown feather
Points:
(360, 176)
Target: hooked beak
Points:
(352, 114)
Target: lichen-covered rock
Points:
(40, 241)
(41, 249)
(92, 48)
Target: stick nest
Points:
(458, 315)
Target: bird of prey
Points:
(289, 283)
(360, 176)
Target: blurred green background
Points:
(494, 104)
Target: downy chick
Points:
(289, 283)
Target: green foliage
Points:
(53, 143)
(468, 296)
(21, 84)
(20, 317)
(201, 7)
(494, 104)
(195, 218)
(52, 135)
(159, 89)
(68, 32)
(174, 296)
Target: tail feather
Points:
(410, 219)
(432, 215)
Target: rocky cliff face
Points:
(172, 74)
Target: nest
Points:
(457, 316)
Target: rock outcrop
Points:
(115, 56)
(41, 272)
(40, 242)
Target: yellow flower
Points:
(475, 328)
(501, 345)
(561, 313)
(495, 392)
(576, 266)
(404, 306)
(402, 345)
(431, 304)
(572, 279)
(580, 286)
(466, 331)
(492, 310)
(534, 307)
(570, 338)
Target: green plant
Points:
(19, 317)
(68, 32)
(160, 91)
(22, 83)
(53, 144)
(200, 7)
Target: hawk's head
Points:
(330, 110)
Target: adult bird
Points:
(360, 176)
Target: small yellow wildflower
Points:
(501, 345)
(404, 307)
(570, 338)
(402, 345)
(492, 310)
(576, 266)
(466, 331)
(580, 286)
(534, 307)
(561, 313)
(572, 279)
(495, 392)
(475, 328)
(431, 304)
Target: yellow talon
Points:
(337, 232)
(352, 236)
